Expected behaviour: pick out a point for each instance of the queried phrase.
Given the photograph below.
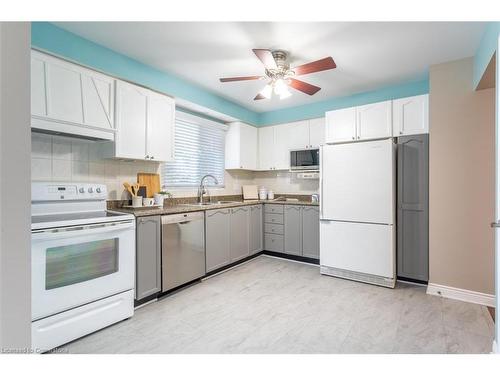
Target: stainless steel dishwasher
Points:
(183, 248)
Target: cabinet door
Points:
(341, 125)
(217, 241)
(239, 244)
(131, 121)
(248, 147)
(282, 136)
(255, 229)
(298, 135)
(64, 91)
(293, 230)
(98, 100)
(374, 120)
(266, 148)
(310, 232)
(148, 257)
(38, 93)
(160, 127)
(411, 115)
(316, 132)
(413, 207)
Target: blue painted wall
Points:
(51, 38)
(48, 37)
(485, 51)
(318, 109)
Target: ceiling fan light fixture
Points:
(281, 89)
(285, 94)
(267, 91)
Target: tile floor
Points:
(269, 305)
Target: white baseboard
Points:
(461, 294)
(495, 349)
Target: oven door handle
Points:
(81, 230)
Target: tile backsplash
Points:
(63, 159)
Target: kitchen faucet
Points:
(201, 189)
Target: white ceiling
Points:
(369, 55)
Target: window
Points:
(199, 150)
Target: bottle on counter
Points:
(262, 193)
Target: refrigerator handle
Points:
(321, 195)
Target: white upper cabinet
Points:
(266, 153)
(282, 146)
(316, 132)
(297, 134)
(67, 98)
(411, 115)
(371, 121)
(241, 146)
(341, 125)
(374, 120)
(276, 142)
(145, 123)
(160, 130)
(131, 121)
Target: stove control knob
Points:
(98, 190)
(91, 190)
(81, 190)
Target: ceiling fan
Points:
(281, 75)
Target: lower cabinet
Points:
(293, 230)
(148, 257)
(255, 235)
(301, 231)
(310, 232)
(217, 238)
(239, 229)
(232, 234)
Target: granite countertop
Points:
(190, 207)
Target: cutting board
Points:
(250, 192)
(151, 181)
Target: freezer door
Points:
(365, 248)
(358, 182)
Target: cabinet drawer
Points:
(273, 218)
(274, 228)
(273, 208)
(273, 242)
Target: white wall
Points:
(62, 159)
(461, 179)
(15, 249)
(285, 182)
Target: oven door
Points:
(73, 266)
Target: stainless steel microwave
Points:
(304, 160)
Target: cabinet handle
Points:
(400, 132)
(152, 157)
(353, 137)
(147, 156)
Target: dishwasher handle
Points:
(182, 218)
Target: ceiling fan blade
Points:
(259, 97)
(303, 86)
(315, 66)
(266, 57)
(233, 79)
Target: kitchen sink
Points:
(207, 204)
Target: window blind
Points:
(199, 150)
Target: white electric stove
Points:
(83, 262)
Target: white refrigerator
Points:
(357, 211)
